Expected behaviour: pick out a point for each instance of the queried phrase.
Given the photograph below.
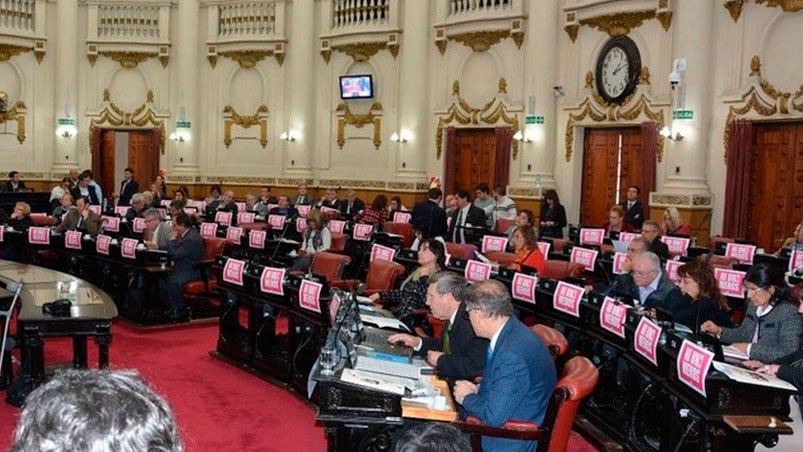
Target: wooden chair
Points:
(201, 295)
(554, 340)
(403, 229)
(554, 269)
(577, 381)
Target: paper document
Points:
(383, 322)
(733, 353)
(752, 377)
(371, 381)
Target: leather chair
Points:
(554, 340)
(42, 219)
(502, 225)
(504, 259)
(461, 250)
(577, 381)
(201, 295)
(719, 261)
(338, 242)
(403, 229)
(330, 265)
(382, 275)
(554, 269)
(558, 245)
(714, 240)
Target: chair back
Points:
(382, 275)
(330, 265)
(713, 241)
(577, 381)
(42, 219)
(461, 250)
(554, 269)
(503, 258)
(502, 225)
(554, 340)
(338, 242)
(719, 261)
(403, 229)
(213, 247)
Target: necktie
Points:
(458, 223)
(488, 355)
(448, 329)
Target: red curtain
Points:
(740, 147)
(94, 149)
(448, 160)
(504, 139)
(649, 157)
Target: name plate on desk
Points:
(336, 226)
(301, 224)
(383, 253)
(678, 245)
(72, 240)
(741, 252)
(493, 243)
(240, 206)
(208, 230)
(95, 208)
(272, 280)
(121, 210)
(128, 248)
(645, 341)
(329, 210)
(309, 295)
(477, 271)
(544, 247)
(795, 260)
(401, 217)
(111, 224)
(672, 267)
(276, 222)
(628, 237)
(692, 365)
(223, 218)
(234, 234)
(523, 287)
(592, 236)
(256, 238)
(2, 230)
(303, 210)
(567, 298)
(362, 232)
(618, 261)
(730, 282)
(102, 244)
(233, 271)
(138, 225)
(612, 317)
(245, 217)
(166, 202)
(38, 235)
(584, 256)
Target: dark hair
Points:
(12, 174)
(703, 274)
(437, 248)
(530, 215)
(184, 191)
(463, 193)
(766, 276)
(553, 195)
(434, 193)
(128, 168)
(177, 204)
(380, 202)
(432, 437)
(530, 237)
(398, 200)
(482, 186)
(183, 219)
(500, 189)
(214, 188)
(638, 189)
(66, 179)
(85, 174)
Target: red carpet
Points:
(218, 406)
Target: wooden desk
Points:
(417, 412)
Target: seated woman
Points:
(317, 238)
(394, 206)
(525, 246)
(524, 218)
(20, 218)
(215, 195)
(616, 221)
(771, 327)
(702, 299)
(412, 293)
(672, 223)
(376, 213)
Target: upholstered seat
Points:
(338, 242)
(42, 219)
(502, 225)
(403, 229)
(382, 275)
(501, 257)
(201, 295)
(554, 340)
(554, 269)
(461, 250)
(330, 265)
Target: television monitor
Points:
(356, 86)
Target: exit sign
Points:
(183, 124)
(532, 119)
(683, 114)
(65, 121)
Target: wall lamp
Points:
(65, 126)
(182, 132)
(522, 137)
(398, 137)
(666, 132)
(287, 136)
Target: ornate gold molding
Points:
(734, 7)
(789, 6)
(480, 41)
(8, 51)
(618, 24)
(460, 112)
(362, 51)
(143, 116)
(259, 118)
(128, 60)
(247, 58)
(345, 116)
(16, 113)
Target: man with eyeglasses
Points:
(651, 286)
(649, 231)
(157, 232)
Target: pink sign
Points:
(303, 211)
(401, 217)
(362, 232)
(692, 365)
(233, 271)
(240, 206)
(740, 252)
(628, 237)
(544, 247)
(678, 245)
(190, 210)
(591, 236)
(618, 263)
(128, 248)
(256, 238)
(38, 235)
(2, 229)
(301, 224)
(329, 210)
(672, 270)
(336, 226)
(276, 222)
(111, 224)
(523, 287)
(208, 230)
(121, 210)
(72, 240)
(730, 282)
(138, 225)
(493, 243)
(477, 271)
(272, 206)
(245, 217)
(200, 205)
(162, 213)
(234, 234)
(166, 202)
(612, 316)
(645, 341)
(309, 295)
(223, 218)
(584, 256)
(383, 253)
(795, 260)
(95, 208)
(567, 298)
(103, 243)
(272, 279)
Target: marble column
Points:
(186, 67)
(299, 98)
(66, 60)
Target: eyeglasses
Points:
(643, 274)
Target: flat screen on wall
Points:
(356, 87)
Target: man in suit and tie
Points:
(467, 214)
(80, 218)
(460, 354)
(428, 218)
(85, 190)
(634, 210)
(127, 187)
(14, 182)
(157, 232)
(352, 206)
(519, 373)
(650, 232)
(302, 198)
(187, 250)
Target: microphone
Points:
(697, 319)
(279, 244)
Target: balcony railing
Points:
(247, 19)
(457, 7)
(126, 21)
(17, 15)
(351, 13)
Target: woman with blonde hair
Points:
(672, 223)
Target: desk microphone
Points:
(279, 244)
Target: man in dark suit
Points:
(330, 199)
(460, 354)
(85, 190)
(187, 250)
(302, 198)
(352, 205)
(428, 218)
(634, 210)
(127, 187)
(519, 373)
(648, 284)
(14, 182)
(80, 218)
(649, 230)
(467, 214)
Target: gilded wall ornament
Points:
(618, 24)
(480, 41)
(247, 59)
(789, 6)
(259, 118)
(8, 51)
(112, 116)
(346, 117)
(128, 60)
(734, 8)
(16, 113)
(361, 51)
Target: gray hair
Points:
(137, 197)
(489, 296)
(89, 411)
(449, 282)
(152, 213)
(644, 244)
(652, 259)
(432, 437)
(651, 223)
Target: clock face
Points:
(618, 69)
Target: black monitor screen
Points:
(356, 87)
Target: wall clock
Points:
(618, 69)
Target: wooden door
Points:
(104, 174)
(611, 161)
(143, 157)
(474, 159)
(775, 198)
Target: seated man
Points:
(14, 182)
(283, 208)
(66, 204)
(187, 250)
(64, 414)
(302, 198)
(519, 374)
(157, 232)
(266, 197)
(352, 206)
(81, 218)
(621, 282)
(649, 230)
(330, 199)
(137, 207)
(651, 286)
(794, 243)
(252, 204)
(460, 354)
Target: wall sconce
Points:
(666, 132)
(287, 136)
(398, 137)
(182, 132)
(522, 137)
(66, 125)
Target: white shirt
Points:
(495, 337)
(644, 292)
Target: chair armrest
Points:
(513, 429)
(345, 284)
